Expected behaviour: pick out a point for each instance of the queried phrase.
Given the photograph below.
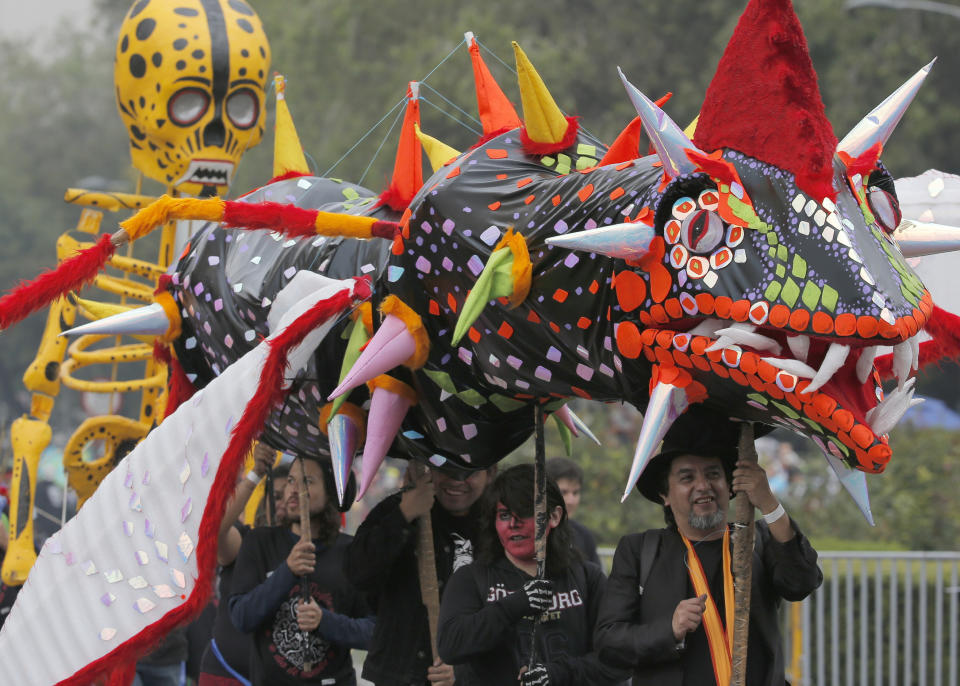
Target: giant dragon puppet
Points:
(754, 270)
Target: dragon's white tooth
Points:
(914, 342)
(832, 361)
(799, 346)
(747, 337)
(893, 410)
(795, 367)
(708, 328)
(902, 362)
(719, 344)
(865, 362)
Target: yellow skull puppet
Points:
(190, 79)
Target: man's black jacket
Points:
(634, 629)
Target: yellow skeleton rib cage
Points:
(190, 80)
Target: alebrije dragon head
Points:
(767, 277)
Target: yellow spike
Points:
(691, 127)
(438, 152)
(95, 311)
(544, 121)
(287, 151)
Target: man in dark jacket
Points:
(668, 608)
(381, 560)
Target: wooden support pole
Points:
(305, 535)
(427, 566)
(539, 517)
(743, 538)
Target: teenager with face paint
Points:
(488, 609)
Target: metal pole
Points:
(743, 538)
(540, 517)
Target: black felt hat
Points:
(696, 432)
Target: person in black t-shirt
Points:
(668, 610)
(568, 476)
(487, 612)
(297, 642)
(382, 561)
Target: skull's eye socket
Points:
(701, 231)
(187, 106)
(885, 208)
(243, 108)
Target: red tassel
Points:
(292, 221)
(532, 147)
(70, 275)
(179, 388)
(490, 136)
(395, 198)
(122, 676)
(287, 175)
(269, 393)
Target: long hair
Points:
(330, 515)
(514, 488)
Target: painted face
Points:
(773, 303)
(516, 534)
(190, 81)
(315, 489)
(457, 496)
(697, 493)
(570, 489)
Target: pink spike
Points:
(387, 410)
(563, 414)
(392, 345)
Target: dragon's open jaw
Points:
(827, 389)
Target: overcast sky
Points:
(27, 18)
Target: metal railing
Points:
(879, 619)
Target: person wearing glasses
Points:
(668, 609)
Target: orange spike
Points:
(408, 166)
(627, 145)
(496, 111)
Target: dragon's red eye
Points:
(885, 208)
(701, 231)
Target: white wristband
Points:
(771, 517)
(253, 477)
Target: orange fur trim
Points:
(165, 209)
(522, 270)
(395, 306)
(364, 310)
(350, 410)
(394, 385)
(169, 305)
(346, 225)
